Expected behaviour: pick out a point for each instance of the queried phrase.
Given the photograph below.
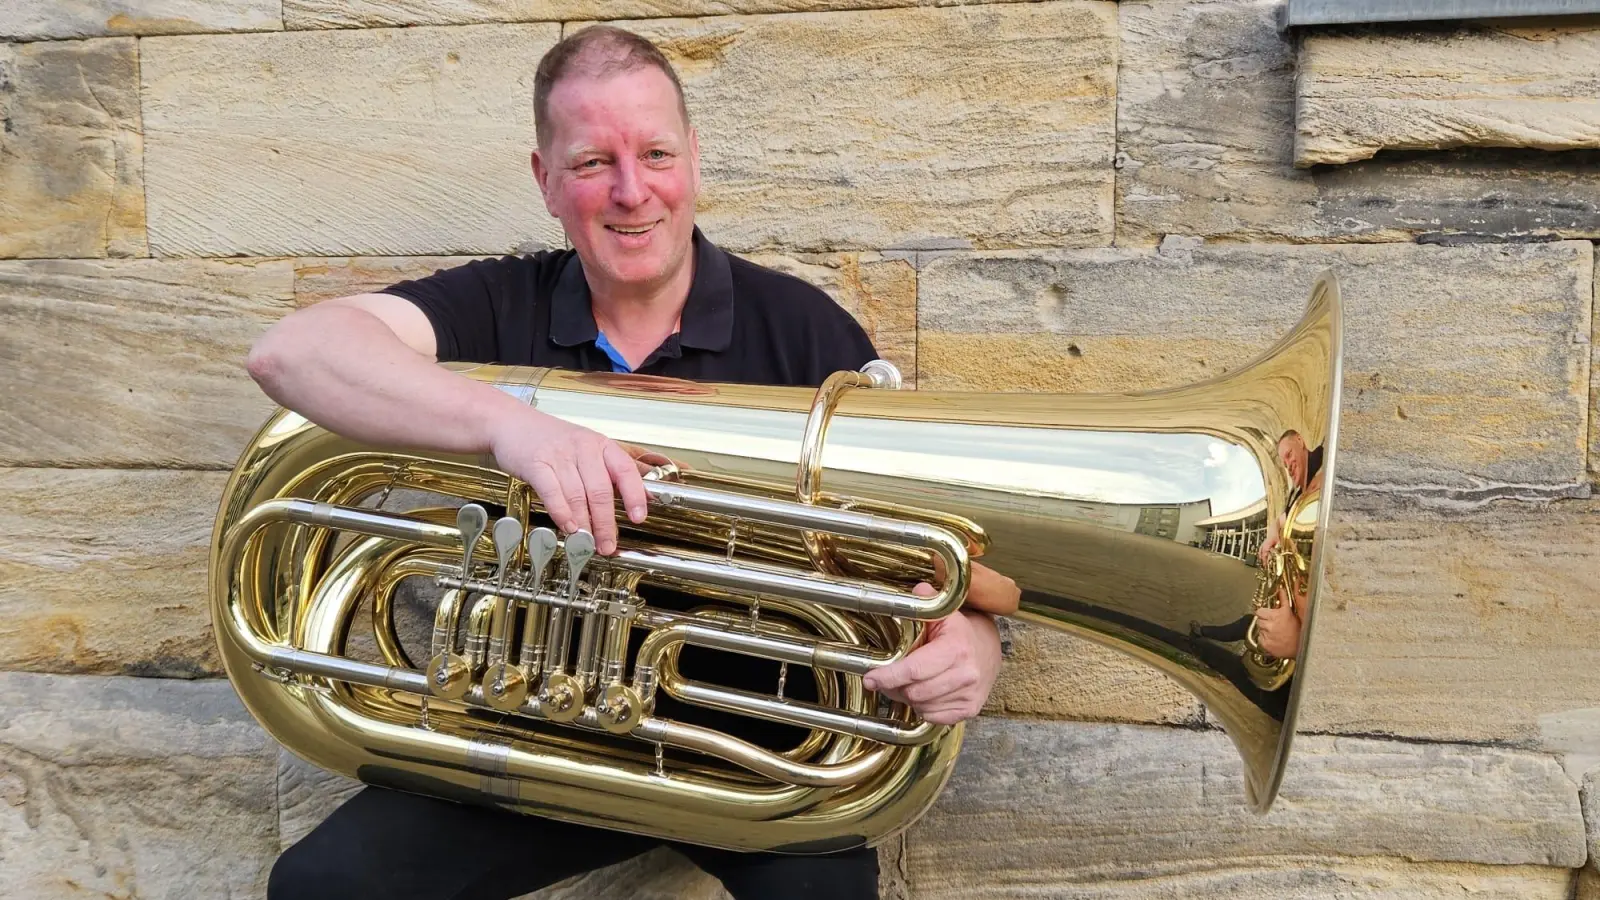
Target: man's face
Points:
(1292, 453)
(621, 172)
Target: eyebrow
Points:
(664, 139)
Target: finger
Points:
(635, 455)
(895, 695)
(950, 715)
(548, 487)
(630, 485)
(572, 492)
(942, 689)
(600, 501)
(918, 665)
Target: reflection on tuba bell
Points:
(1283, 581)
(785, 531)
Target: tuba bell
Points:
(786, 529)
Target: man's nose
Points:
(630, 188)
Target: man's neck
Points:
(637, 322)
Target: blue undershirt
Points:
(618, 363)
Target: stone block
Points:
(1465, 367)
(1053, 675)
(849, 131)
(105, 571)
(70, 179)
(382, 142)
(1480, 85)
(92, 18)
(880, 292)
(370, 13)
(1426, 600)
(1300, 878)
(1594, 391)
(1588, 887)
(306, 796)
(1572, 736)
(132, 787)
(133, 362)
(316, 280)
(1448, 627)
(1205, 127)
(1042, 808)
(658, 875)
(1590, 795)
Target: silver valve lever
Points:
(562, 695)
(449, 675)
(580, 549)
(507, 537)
(473, 521)
(541, 549)
(504, 687)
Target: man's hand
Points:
(573, 470)
(1278, 631)
(948, 678)
(1265, 553)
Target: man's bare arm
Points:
(364, 367)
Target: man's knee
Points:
(302, 874)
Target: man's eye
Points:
(589, 164)
(657, 154)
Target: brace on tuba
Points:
(786, 529)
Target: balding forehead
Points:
(574, 97)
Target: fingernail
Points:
(636, 513)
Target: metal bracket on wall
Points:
(1297, 13)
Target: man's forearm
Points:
(344, 369)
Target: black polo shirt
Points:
(742, 322)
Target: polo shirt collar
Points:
(707, 321)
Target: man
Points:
(643, 291)
(1279, 627)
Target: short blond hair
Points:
(596, 51)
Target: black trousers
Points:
(1233, 631)
(396, 846)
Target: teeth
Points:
(630, 230)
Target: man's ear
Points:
(541, 177)
(694, 157)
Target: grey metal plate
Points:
(1330, 12)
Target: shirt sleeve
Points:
(461, 306)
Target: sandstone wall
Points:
(1080, 195)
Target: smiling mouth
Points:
(631, 229)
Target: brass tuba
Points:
(785, 531)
